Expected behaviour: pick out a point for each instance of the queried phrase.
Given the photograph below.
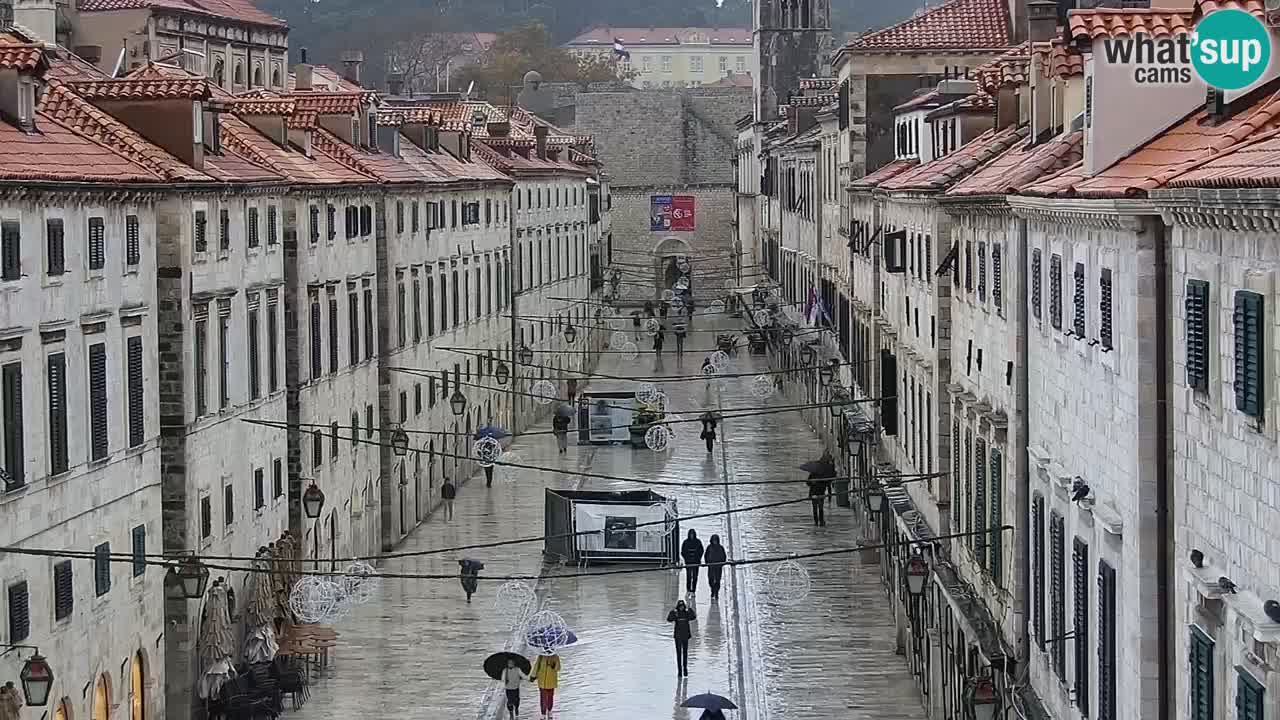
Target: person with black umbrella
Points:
(820, 474)
(682, 616)
(691, 552)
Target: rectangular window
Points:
(1035, 283)
(417, 310)
(996, 519)
(251, 226)
(431, 305)
(1249, 696)
(1196, 307)
(353, 326)
(19, 603)
(333, 330)
(102, 569)
(200, 231)
(1077, 299)
(368, 324)
(14, 455)
(259, 489)
(55, 246)
(224, 230)
(224, 354)
(206, 517)
(1202, 686)
(228, 505)
(132, 241)
(366, 220)
(98, 429)
(997, 276)
(980, 501)
(1080, 622)
(453, 297)
(404, 406)
(57, 377)
(272, 340)
(333, 440)
(1037, 570)
(10, 250)
(982, 272)
(399, 217)
(64, 597)
(351, 218)
(401, 310)
(315, 224)
(201, 350)
(1104, 309)
(139, 538)
(317, 357)
(97, 243)
(368, 420)
(273, 236)
(1249, 362)
(1055, 291)
(414, 221)
(956, 492)
(277, 478)
(417, 398)
(1057, 595)
(136, 382)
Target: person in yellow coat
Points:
(546, 672)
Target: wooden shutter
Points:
(64, 599)
(139, 550)
(98, 401)
(955, 476)
(997, 275)
(317, 448)
(315, 224)
(1201, 659)
(979, 542)
(224, 229)
(1249, 334)
(316, 369)
(333, 330)
(1104, 310)
(55, 246)
(255, 373)
(353, 329)
(1249, 697)
(1077, 300)
(1057, 594)
(14, 456)
(368, 324)
(10, 250)
(56, 367)
(259, 489)
(272, 236)
(366, 220)
(1055, 291)
(968, 481)
(201, 231)
(206, 516)
(368, 420)
(996, 522)
(1035, 283)
(136, 381)
(982, 272)
(102, 569)
(251, 226)
(19, 603)
(132, 241)
(228, 505)
(1196, 307)
(97, 243)
(277, 478)
(1037, 569)
(888, 392)
(1080, 622)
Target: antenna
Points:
(470, 86)
(119, 64)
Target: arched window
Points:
(219, 71)
(102, 698)
(275, 78)
(257, 77)
(138, 688)
(237, 78)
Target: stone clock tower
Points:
(792, 40)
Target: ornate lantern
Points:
(874, 495)
(458, 403)
(37, 678)
(570, 333)
(400, 441)
(187, 579)
(312, 501)
(524, 355)
(502, 373)
(917, 573)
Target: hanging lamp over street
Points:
(458, 403)
(188, 579)
(570, 333)
(524, 355)
(874, 495)
(400, 441)
(37, 680)
(917, 573)
(312, 501)
(502, 373)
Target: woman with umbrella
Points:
(712, 705)
(512, 669)
(496, 433)
(820, 473)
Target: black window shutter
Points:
(317, 448)
(955, 476)
(333, 332)
(224, 229)
(139, 550)
(1106, 641)
(57, 377)
(255, 374)
(1077, 299)
(979, 541)
(102, 569)
(64, 598)
(1196, 306)
(259, 489)
(201, 231)
(98, 400)
(368, 325)
(1080, 588)
(316, 368)
(355, 429)
(10, 250)
(968, 481)
(272, 237)
(997, 276)
(137, 407)
(14, 456)
(1035, 283)
(19, 602)
(982, 272)
(97, 244)
(1104, 310)
(888, 392)
(996, 521)
(1249, 697)
(1037, 569)
(1057, 594)
(251, 226)
(1249, 334)
(277, 478)
(315, 224)
(206, 516)
(366, 220)
(55, 243)
(368, 420)
(353, 329)
(132, 240)
(228, 505)
(1055, 291)
(1202, 691)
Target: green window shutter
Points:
(1249, 336)
(1080, 622)
(1196, 309)
(955, 476)
(1201, 660)
(1106, 641)
(980, 502)
(1035, 283)
(1037, 569)
(997, 517)
(1057, 594)
(1249, 697)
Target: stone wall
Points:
(714, 209)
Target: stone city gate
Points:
(667, 256)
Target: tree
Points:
(422, 59)
(528, 48)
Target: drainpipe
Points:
(1164, 484)
(514, 294)
(1023, 502)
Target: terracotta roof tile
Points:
(932, 98)
(946, 170)
(953, 25)
(328, 103)
(1184, 146)
(239, 10)
(604, 36)
(892, 170)
(975, 103)
(22, 58)
(1058, 60)
(143, 89)
(1021, 165)
(67, 66)
(1011, 68)
(1251, 164)
(1112, 22)
(58, 154)
(1254, 7)
(284, 107)
(291, 163)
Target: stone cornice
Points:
(1122, 214)
(976, 205)
(1242, 210)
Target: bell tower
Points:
(791, 40)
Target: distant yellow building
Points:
(672, 57)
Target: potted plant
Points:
(646, 414)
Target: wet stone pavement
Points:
(418, 645)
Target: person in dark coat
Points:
(635, 323)
(710, 714)
(681, 329)
(715, 559)
(560, 427)
(448, 492)
(488, 476)
(682, 616)
(818, 489)
(658, 339)
(708, 430)
(664, 309)
(691, 552)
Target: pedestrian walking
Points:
(546, 673)
(682, 616)
(635, 323)
(488, 476)
(818, 490)
(715, 559)
(691, 551)
(681, 329)
(708, 433)
(560, 427)
(648, 308)
(664, 309)
(658, 339)
(511, 677)
(448, 491)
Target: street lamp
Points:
(874, 495)
(807, 355)
(312, 501)
(502, 373)
(983, 698)
(839, 398)
(570, 333)
(787, 336)
(827, 372)
(458, 403)
(917, 573)
(400, 441)
(187, 579)
(525, 355)
(37, 679)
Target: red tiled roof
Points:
(1254, 7)
(290, 163)
(1111, 22)
(1058, 60)
(1021, 165)
(940, 173)
(953, 25)
(328, 103)
(55, 153)
(1011, 68)
(1252, 164)
(892, 170)
(263, 106)
(978, 102)
(143, 89)
(930, 98)
(516, 163)
(733, 79)
(604, 36)
(323, 79)
(238, 10)
(20, 57)
(1170, 154)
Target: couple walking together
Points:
(683, 615)
(545, 672)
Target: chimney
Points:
(91, 54)
(303, 73)
(395, 84)
(499, 129)
(540, 135)
(351, 62)
(38, 17)
(1042, 20)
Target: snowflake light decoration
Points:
(682, 283)
(668, 294)
(647, 392)
(630, 351)
(359, 584)
(762, 317)
(515, 600)
(762, 387)
(617, 339)
(720, 359)
(546, 630)
(487, 451)
(788, 583)
(314, 599)
(652, 325)
(657, 438)
(544, 392)
(716, 307)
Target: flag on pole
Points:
(620, 50)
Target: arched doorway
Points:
(666, 261)
(102, 698)
(138, 688)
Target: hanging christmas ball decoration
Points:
(509, 465)
(657, 438)
(546, 630)
(359, 583)
(544, 392)
(662, 401)
(762, 387)
(668, 294)
(716, 307)
(487, 451)
(313, 599)
(630, 351)
(652, 325)
(682, 283)
(720, 359)
(515, 600)
(788, 583)
(647, 392)
(710, 370)
(762, 318)
(617, 339)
